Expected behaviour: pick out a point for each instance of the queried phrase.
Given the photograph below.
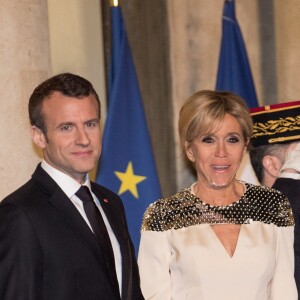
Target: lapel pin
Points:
(105, 200)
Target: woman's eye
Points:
(207, 139)
(233, 140)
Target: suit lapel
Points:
(67, 210)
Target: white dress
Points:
(181, 257)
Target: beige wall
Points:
(287, 49)
(24, 61)
(76, 44)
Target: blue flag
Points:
(234, 72)
(127, 164)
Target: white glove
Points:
(292, 161)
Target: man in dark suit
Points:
(56, 244)
(275, 157)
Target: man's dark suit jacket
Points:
(48, 252)
(291, 189)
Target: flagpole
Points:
(114, 3)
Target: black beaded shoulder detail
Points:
(184, 209)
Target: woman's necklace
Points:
(236, 195)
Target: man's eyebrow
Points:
(95, 120)
(64, 124)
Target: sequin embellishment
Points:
(184, 209)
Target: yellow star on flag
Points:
(129, 181)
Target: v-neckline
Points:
(221, 245)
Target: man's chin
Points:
(85, 165)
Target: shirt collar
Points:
(69, 185)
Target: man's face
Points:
(73, 142)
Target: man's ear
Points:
(189, 152)
(38, 137)
(272, 165)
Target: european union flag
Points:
(127, 164)
(234, 72)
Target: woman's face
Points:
(217, 155)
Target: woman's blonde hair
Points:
(202, 110)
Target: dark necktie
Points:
(95, 218)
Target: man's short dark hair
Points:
(258, 153)
(66, 83)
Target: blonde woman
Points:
(220, 238)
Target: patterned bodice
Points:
(184, 209)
